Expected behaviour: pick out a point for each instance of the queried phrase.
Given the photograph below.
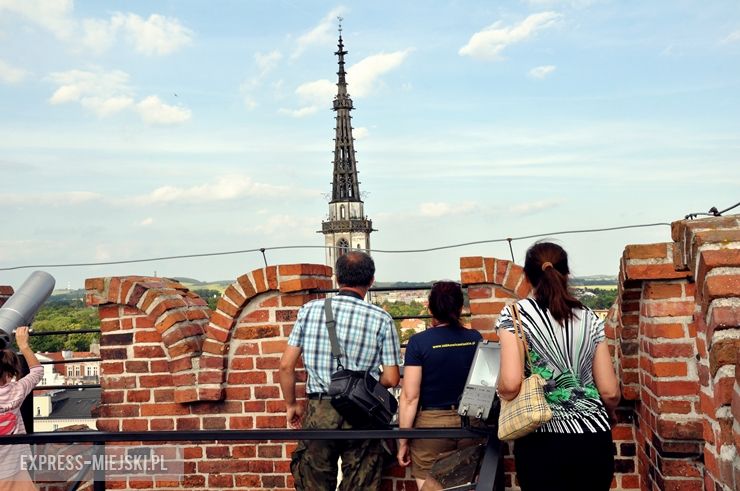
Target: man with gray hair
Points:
(368, 339)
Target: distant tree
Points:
(61, 316)
(210, 296)
(599, 299)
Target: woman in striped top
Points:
(574, 450)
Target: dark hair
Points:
(446, 302)
(546, 268)
(10, 365)
(355, 269)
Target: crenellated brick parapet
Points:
(5, 293)
(709, 250)
(676, 337)
(169, 363)
(492, 284)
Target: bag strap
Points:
(331, 325)
(520, 333)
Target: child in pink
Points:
(13, 390)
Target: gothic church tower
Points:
(347, 227)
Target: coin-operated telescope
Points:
(20, 309)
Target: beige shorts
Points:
(425, 452)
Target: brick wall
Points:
(674, 331)
(171, 364)
(675, 336)
(5, 293)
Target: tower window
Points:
(341, 212)
(343, 247)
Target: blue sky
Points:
(146, 129)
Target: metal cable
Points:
(382, 251)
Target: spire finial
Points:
(340, 19)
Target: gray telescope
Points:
(20, 309)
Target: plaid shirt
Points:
(366, 335)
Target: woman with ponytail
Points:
(436, 367)
(574, 450)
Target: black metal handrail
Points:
(68, 360)
(238, 435)
(55, 333)
(489, 477)
(72, 386)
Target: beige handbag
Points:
(529, 409)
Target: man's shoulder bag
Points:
(355, 394)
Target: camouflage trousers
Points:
(314, 464)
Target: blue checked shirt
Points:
(366, 335)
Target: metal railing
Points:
(490, 474)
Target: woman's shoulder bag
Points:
(529, 409)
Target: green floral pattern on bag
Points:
(563, 390)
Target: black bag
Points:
(356, 395)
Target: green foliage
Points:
(65, 316)
(599, 300)
(210, 296)
(400, 309)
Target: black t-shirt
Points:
(444, 355)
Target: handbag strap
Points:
(520, 333)
(331, 325)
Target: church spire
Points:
(347, 227)
(345, 186)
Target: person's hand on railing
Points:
(295, 415)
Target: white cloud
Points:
(321, 33)
(52, 15)
(300, 112)
(107, 93)
(156, 35)
(223, 188)
(541, 72)
(249, 102)
(98, 35)
(491, 41)
(10, 74)
(153, 111)
(732, 37)
(318, 92)
(570, 3)
(146, 222)
(360, 132)
(103, 93)
(50, 199)
(363, 76)
(534, 206)
(440, 208)
(277, 223)
(267, 62)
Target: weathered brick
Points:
(256, 332)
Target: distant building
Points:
(68, 371)
(347, 226)
(61, 408)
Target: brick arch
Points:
(492, 284)
(288, 284)
(194, 340)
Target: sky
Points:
(144, 129)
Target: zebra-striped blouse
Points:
(564, 356)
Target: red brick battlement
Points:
(170, 363)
